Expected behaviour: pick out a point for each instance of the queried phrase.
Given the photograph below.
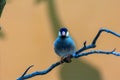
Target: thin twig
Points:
(27, 70)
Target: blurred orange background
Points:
(29, 38)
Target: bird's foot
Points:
(62, 60)
(66, 59)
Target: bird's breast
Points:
(64, 47)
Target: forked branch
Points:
(77, 54)
(93, 44)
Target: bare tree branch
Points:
(97, 52)
(24, 76)
(93, 44)
(78, 54)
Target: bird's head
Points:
(63, 32)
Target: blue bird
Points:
(64, 45)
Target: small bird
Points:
(64, 45)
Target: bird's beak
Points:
(63, 33)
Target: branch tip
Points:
(27, 70)
(85, 43)
(113, 50)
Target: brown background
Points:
(29, 37)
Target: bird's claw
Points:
(66, 59)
